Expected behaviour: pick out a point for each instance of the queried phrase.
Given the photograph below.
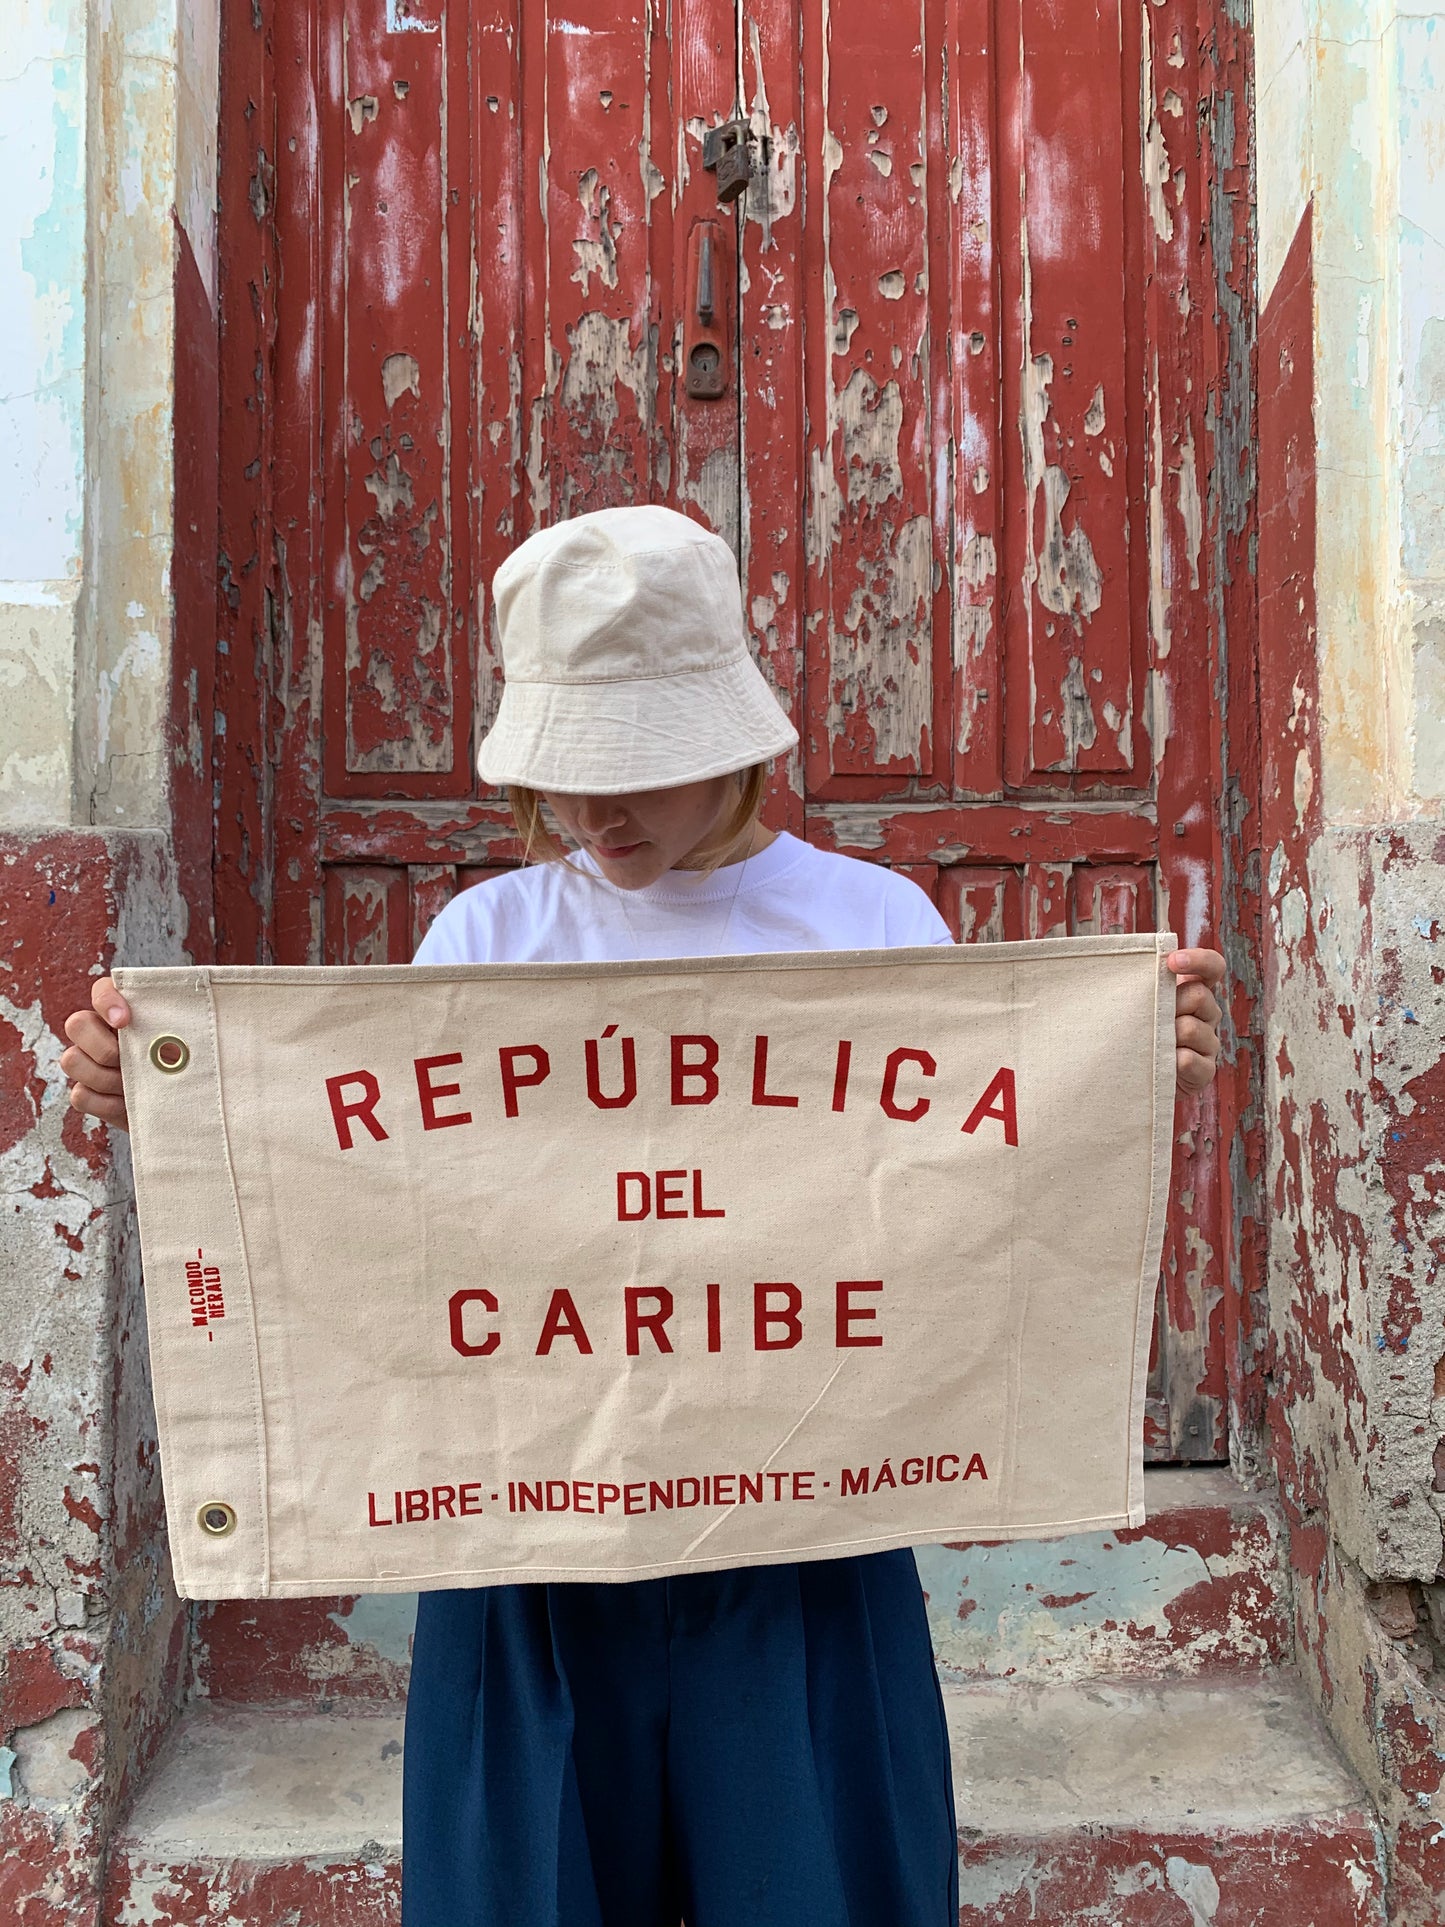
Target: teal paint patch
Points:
(383, 1621)
(1062, 1605)
(7, 1761)
(1420, 85)
(53, 253)
(43, 260)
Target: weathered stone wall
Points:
(92, 1637)
(108, 120)
(1351, 572)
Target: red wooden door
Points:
(957, 453)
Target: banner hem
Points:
(936, 956)
(477, 1578)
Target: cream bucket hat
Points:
(626, 660)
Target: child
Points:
(756, 1748)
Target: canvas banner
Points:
(457, 1276)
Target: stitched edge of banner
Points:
(155, 1337)
(942, 955)
(1161, 1163)
(973, 1532)
(1013, 1389)
(947, 956)
(258, 1403)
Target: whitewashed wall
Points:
(43, 142)
(1350, 109)
(107, 136)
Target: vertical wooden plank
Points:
(876, 706)
(609, 184)
(499, 286)
(977, 467)
(430, 887)
(1221, 195)
(307, 53)
(1068, 104)
(365, 919)
(694, 62)
(589, 181)
(592, 275)
(1158, 1444)
(399, 564)
(247, 283)
(774, 325)
(1185, 703)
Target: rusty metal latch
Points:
(705, 345)
(727, 151)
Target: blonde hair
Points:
(540, 844)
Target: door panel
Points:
(876, 330)
(964, 300)
(588, 184)
(1076, 546)
(396, 377)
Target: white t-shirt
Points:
(787, 897)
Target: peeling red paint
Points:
(21, 1089)
(192, 721)
(1137, 1877)
(46, 1877)
(82, 1509)
(1414, 1744)
(1358, 1356)
(335, 1893)
(19, 1430)
(261, 1650)
(1198, 1592)
(32, 1687)
(103, 1626)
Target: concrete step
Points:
(1198, 1589)
(267, 1817)
(1206, 1804)
(1177, 1803)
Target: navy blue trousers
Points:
(756, 1748)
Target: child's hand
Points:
(92, 1062)
(1196, 1015)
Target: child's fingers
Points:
(83, 1069)
(108, 1003)
(1193, 1034)
(94, 1036)
(1193, 1072)
(110, 1110)
(1195, 999)
(1206, 965)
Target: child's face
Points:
(636, 839)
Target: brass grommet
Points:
(170, 1054)
(216, 1518)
